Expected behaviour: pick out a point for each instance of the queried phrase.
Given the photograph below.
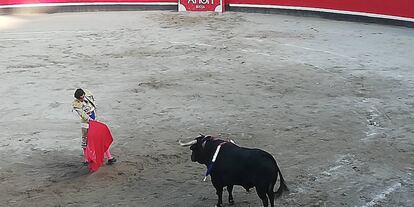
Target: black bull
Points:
(238, 166)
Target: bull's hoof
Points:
(218, 205)
(231, 202)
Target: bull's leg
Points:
(271, 195)
(230, 190)
(219, 192)
(261, 192)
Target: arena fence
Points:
(399, 12)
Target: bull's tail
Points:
(282, 187)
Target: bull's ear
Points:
(202, 135)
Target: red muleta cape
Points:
(99, 140)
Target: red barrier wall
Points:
(399, 8)
(13, 2)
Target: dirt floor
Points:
(332, 101)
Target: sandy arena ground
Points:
(331, 100)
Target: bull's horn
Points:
(187, 143)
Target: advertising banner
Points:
(201, 5)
